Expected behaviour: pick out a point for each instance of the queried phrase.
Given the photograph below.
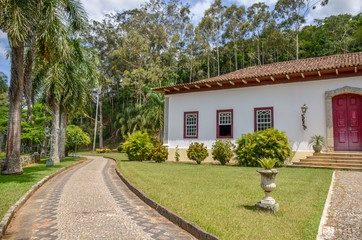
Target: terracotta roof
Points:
(287, 68)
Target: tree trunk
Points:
(100, 123)
(62, 134)
(1, 142)
(44, 149)
(95, 122)
(12, 164)
(208, 66)
(236, 57)
(27, 81)
(55, 131)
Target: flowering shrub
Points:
(222, 151)
(158, 153)
(270, 143)
(137, 146)
(197, 152)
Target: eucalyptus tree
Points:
(235, 27)
(258, 15)
(47, 20)
(293, 13)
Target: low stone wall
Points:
(25, 160)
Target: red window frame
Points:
(197, 124)
(217, 123)
(255, 116)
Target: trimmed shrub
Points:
(270, 143)
(137, 145)
(100, 150)
(197, 152)
(108, 150)
(177, 154)
(222, 151)
(158, 153)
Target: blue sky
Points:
(97, 8)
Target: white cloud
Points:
(248, 3)
(3, 50)
(199, 8)
(96, 9)
(335, 7)
(3, 35)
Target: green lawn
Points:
(12, 188)
(221, 199)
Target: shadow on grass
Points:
(248, 207)
(32, 173)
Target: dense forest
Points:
(126, 54)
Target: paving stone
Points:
(90, 202)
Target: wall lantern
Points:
(304, 110)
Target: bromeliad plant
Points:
(267, 163)
(222, 151)
(197, 152)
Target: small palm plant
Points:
(318, 142)
(267, 163)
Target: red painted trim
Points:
(217, 123)
(263, 108)
(197, 124)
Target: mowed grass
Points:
(221, 199)
(12, 188)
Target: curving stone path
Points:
(90, 202)
(344, 218)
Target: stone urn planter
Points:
(268, 203)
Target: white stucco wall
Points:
(286, 99)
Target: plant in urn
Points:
(268, 175)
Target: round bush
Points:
(138, 146)
(197, 152)
(159, 153)
(222, 151)
(270, 143)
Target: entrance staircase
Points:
(334, 160)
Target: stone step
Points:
(335, 157)
(329, 167)
(340, 154)
(316, 163)
(331, 160)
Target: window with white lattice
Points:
(224, 123)
(263, 118)
(191, 122)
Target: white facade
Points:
(286, 100)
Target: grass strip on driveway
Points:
(12, 188)
(220, 199)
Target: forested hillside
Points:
(159, 44)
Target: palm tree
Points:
(49, 21)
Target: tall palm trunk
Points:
(27, 81)
(55, 131)
(12, 164)
(62, 134)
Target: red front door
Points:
(347, 122)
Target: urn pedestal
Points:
(267, 204)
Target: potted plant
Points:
(317, 141)
(268, 175)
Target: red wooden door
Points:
(347, 122)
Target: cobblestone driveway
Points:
(344, 220)
(90, 202)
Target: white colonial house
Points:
(271, 96)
